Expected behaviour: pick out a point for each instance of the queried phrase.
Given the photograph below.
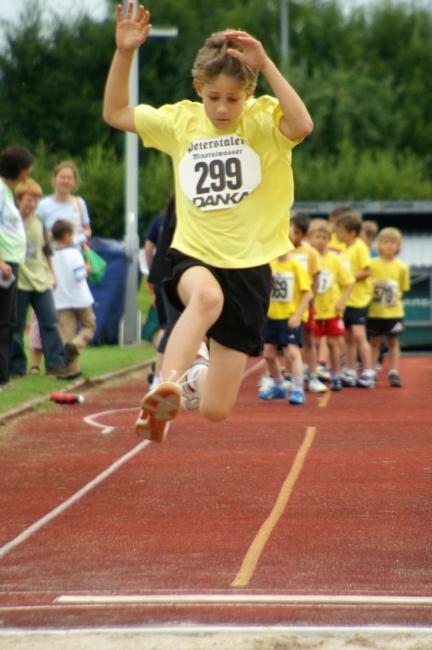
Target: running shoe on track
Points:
(158, 408)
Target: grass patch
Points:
(95, 361)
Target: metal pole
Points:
(131, 323)
(131, 240)
(284, 32)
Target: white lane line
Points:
(106, 428)
(185, 630)
(244, 599)
(28, 532)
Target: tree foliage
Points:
(364, 75)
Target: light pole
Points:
(284, 32)
(131, 322)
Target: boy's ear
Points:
(250, 91)
(198, 87)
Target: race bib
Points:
(385, 293)
(325, 281)
(217, 173)
(283, 287)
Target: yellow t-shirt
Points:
(335, 244)
(390, 280)
(234, 188)
(356, 257)
(290, 280)
(309, 258)
(333, 277)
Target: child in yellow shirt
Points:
(288, 308)
(311, 262)
(335, 283)
(390, 277)
(357, 259)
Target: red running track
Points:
(314, 515)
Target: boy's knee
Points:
(213, 412)
(209, 300)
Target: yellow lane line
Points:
(253, 554)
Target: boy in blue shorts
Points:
(390, 278)
(291, 293)
(231, 156)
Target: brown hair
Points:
(213, 59)
(60, 228)
(370, 228)
(339, 210)
(29, 186)
(351, 220)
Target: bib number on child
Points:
(385, 293)
(283, 287)
(325, 281)
(218, 173)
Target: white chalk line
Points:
(40, 523)
(106, 428)
(245, 600)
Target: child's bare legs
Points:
(335, 354)
(203, 299)
(394, 353)
(375, 343)
(220, 387)
(294, 358)
(356, 340)
(271, 359)
(309, 351)
(201, 293)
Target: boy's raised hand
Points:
(253, 54)
(132, 31)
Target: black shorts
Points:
(355, 316)
(246, 301)
(277, 332)
(384, 326)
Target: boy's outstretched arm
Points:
(131, 32)
(296, 122)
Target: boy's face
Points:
(344, 235)
(296, 235)
(319, 240)
(389, 248)
(28, 204)
(223, 98)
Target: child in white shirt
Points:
(72, 296)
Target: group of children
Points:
(333, 301)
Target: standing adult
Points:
(15, 166)
(65, 204)
(35, 288)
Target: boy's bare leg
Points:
(394, 353)
(201, 293)
(221, 385)
(271, 359)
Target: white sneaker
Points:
(265, 381)
(316, 386)
(190, 384)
